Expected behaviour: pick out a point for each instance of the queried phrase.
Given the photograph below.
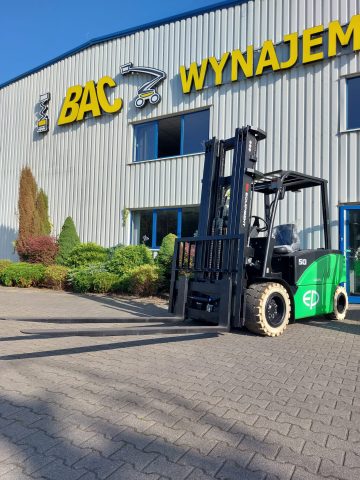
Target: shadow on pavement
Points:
(104, 346)
(338, 326)
(128, 306)
(80, 320)
(50, 437)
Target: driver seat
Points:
(287, 239)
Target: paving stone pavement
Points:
(190, 407)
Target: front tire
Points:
(268, 309)
(340, 304)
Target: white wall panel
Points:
(86, 169)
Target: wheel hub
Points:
(275, 310)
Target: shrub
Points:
(27, 208)
(81, 280)
(39, 250)
(86, 254)
(68, 239)
(55, 277)
(23, 275)
(4, 264)
(92, 278)
(144, 280)
(165, 257)
(42, 222)
(104, 282)
(124, 259)
(33, 212)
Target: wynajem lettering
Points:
(313, 50)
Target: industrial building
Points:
(115, 130)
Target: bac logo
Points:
(91, 99)
(311, 298)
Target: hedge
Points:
(23, 275)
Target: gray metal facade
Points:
(86, 168)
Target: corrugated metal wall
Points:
(86, 169)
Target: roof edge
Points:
(124, 33)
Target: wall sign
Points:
(309, 48)
(90, 98)
(147, 92)
(43, 122)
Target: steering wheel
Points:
(265, 228)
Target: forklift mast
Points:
(209, 271)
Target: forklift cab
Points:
(277, 251)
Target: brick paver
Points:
(195, 407)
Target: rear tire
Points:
(340, 304)
(268, 309)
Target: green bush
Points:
(144, 280)
(104, 282)
(23, 275)
(68, 239)
(81, 279)
(86, 254)
(92, 279)
(4, 264)
(165, 257)
(124, 259)
(55, 277)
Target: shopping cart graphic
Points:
(147, 91)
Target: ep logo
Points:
(311, 298)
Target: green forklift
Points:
(242, 270)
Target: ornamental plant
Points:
(4, 264)
(23, 275)
(27, 208)
(93, 278)
(33, 212)
(165, 256)
(144, 280)
(85, 254)
(125, 259)
(43, 249)
(42, 222)
(68, 239)
(55, 277)
(104, 282)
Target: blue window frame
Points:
(151, 226)
(349, 234)
(172, 136)
(353, 103)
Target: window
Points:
(353, 103)
(145, 141)
(151, 226)
(172, 136)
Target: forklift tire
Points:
(340, 304)
(268, 309)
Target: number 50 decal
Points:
(303, 261)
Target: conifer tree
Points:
(26, 207)
(68, 239)
(42, 222)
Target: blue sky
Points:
(35, 31)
